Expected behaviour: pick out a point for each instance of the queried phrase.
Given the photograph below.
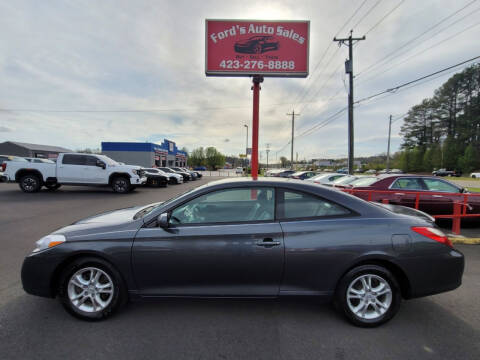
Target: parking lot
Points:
(444, 326)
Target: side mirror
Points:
(464, 190)
(162, 221)
(101, 164)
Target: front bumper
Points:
(38, 273)
(138, 180)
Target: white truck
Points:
(74, 169)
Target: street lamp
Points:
(246, 149)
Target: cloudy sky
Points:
(75, 73)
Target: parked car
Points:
(156, 177)
(174, 177)
(325, 178)
(342, 171)
(391, 171)
(343, 181)
(445, 172)
(191, 173)
(39, 160)
(475, 175)
(247, 238)
(284, 173)
(239, 170)
(256, 45)
(437, 194)
(372, 171)
(186, 175)
(74, 169)
(302, 175)
(198, 174)
(200, 168)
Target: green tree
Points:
(213, 158)
(283, 161)
(197, 157)
(469, 159)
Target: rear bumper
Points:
(434, 274)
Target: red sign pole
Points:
(256, 104)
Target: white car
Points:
(325, 178)
(475, 175)
(74, 169)
(239, 170)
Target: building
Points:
(145, 154)
(31, 150)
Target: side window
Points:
(230, 205)
(407, 184)
(297, 205)
(73, 159)
(90, 160)
(439, 185)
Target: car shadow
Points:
(290, 328)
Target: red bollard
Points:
(457, 210)
(385, 201)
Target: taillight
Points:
(433, 234)
(4, 166)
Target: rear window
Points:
(297, 205)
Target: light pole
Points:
(246, 148)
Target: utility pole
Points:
(388, 147)
(349, 70)
(293, 135)
(267, 151)
(246, 149)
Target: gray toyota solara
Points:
(247, 238)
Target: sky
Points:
(76, 73)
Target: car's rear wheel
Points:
(368, 295)
(473, 176)
(121, 185)
(91, 289)
(30, 183)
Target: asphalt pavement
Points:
(445, 326)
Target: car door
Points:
(402, 192)
(71, 169)
(92, 173)
(441, 201)
(223, 243)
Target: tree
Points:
(469, 160)
(197, 157)
(213, 158)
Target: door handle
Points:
(268, 242)
(437, 196)
(401, 194)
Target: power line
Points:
(368, 79)
(415, 38)
(366, 14)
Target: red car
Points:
(436, 194)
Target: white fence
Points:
(222, 173)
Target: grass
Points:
(474, 189)
(463, 178)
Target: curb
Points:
(466, 241)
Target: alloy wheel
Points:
(90, 289)
(369, 296)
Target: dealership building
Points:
(145, 154)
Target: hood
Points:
(126, 167)
(115, 216)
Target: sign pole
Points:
(257, 79)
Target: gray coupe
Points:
(247, 238)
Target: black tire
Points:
(53, 187)
(351, 278)
(119, 292)
(121, 185)
(474, 177)
(30, 183)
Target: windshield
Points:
(107, 160)
(367, 181)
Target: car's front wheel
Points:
(121, 185)
(368, 295)
(91, 289)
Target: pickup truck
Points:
(74, 169)
(445, 172)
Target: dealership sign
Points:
(253, 47)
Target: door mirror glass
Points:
(162, 221)
(101, 164)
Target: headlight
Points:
(48, 242)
